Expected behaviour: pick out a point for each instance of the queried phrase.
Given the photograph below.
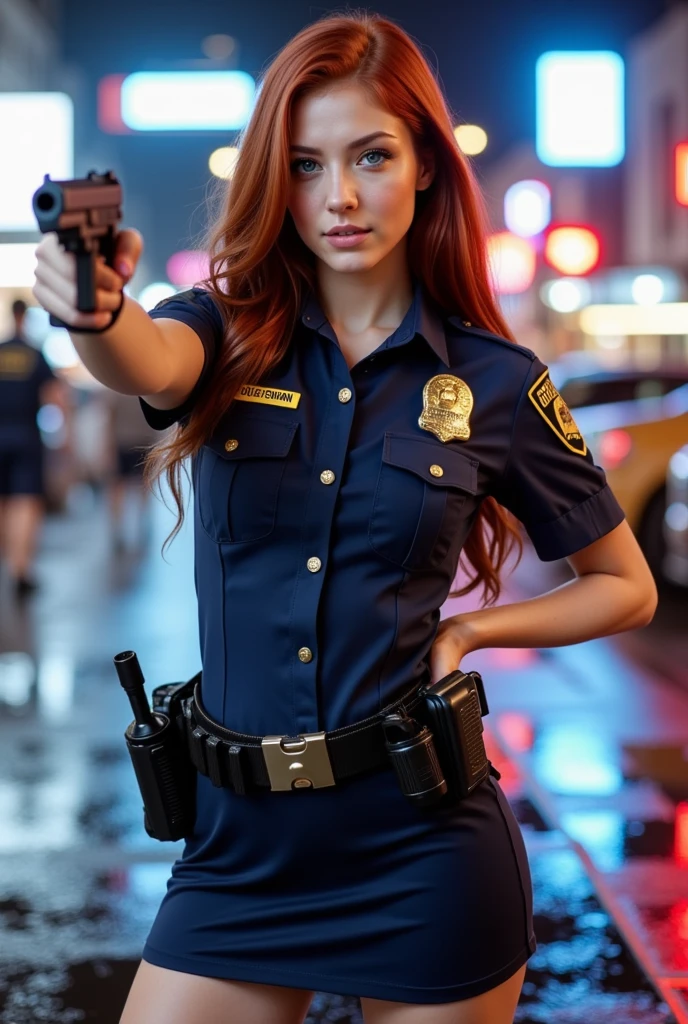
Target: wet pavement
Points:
(590, 744)
(601, 743)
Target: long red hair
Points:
(260, 268)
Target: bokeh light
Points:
(527, 207)
(572, 249)
(512, 263)
(565, 295)
(222, 161)
(471, 139)
(647, 289)
(187, 268)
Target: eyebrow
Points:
(352, 145)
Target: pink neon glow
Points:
(187, 268)
(512, 262)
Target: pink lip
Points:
(347, 241)
(346, 227)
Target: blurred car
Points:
(582, 379)
(675, 563)
(633, 441)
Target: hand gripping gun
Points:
(84, 213)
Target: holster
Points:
(453, 710)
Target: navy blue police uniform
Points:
(23, 371)
(328, 526)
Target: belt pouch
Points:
(453, 708)
(173, 819)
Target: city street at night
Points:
(344, 512)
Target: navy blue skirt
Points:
(352, 890)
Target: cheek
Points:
(302, 207)
(392, 202)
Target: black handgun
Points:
(164, 771)
(84, 213)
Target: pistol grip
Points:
(86, 282)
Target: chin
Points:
(352, 261)
(344, 260)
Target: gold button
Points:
(305, 654)
(231, 445)
(327, 476)
(313, 564)
(344, 395)
(467, 323)
(436, 470)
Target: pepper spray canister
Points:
(412, 754)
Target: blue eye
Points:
(378, 152)
(297, 164)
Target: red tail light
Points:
(613, 447)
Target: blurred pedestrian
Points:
(26, 383)
(128, 437)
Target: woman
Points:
(358, 414)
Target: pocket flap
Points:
(253, 437)
(418, 455)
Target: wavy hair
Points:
(259, 268)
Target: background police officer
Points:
(26, 383)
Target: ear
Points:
(426, 170)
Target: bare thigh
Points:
(494, 1007)
(159, 996)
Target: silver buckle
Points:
(301, 763)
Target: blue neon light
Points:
(580, 108)
(187, 100)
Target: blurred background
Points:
(575, 120)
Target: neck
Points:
(375, 299)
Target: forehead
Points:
(339, 114)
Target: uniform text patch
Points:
(556, 413)
(268, 396)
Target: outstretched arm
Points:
(613, 591)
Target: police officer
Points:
(370, 427)
(26, 383)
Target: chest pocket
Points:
(239, 472)
(417, 511)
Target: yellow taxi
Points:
(633, 441)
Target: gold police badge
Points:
(447, 404)
(556, 413)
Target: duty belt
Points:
(311, 760)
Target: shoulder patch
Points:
(556, 413)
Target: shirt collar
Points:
(422, 318)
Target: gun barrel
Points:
(92, 201)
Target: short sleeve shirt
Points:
(23, 371)
(331, 505)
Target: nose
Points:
(341, 194)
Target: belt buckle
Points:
(297, 762)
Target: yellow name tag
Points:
(268, 396)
